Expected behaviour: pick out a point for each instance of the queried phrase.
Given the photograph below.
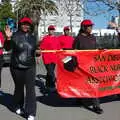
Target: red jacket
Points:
(66, 41)
(49, 42)
(1, 43)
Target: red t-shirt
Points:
(49, 42)
(66, 41)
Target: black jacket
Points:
(23, 47)
(84, 42)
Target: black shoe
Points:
(98, 110)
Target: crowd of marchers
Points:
(23, 45)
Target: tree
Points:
(97, 7)
(113, 5)
(6, 10)
(34, 9)
(72, 7)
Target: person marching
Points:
(85, 40)
(50, 42)
(22, 67)
(66, 40)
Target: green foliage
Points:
(6, 10)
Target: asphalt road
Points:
(53, 107)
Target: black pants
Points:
(50, 78)
(1, 65)
(24, 77)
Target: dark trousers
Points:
(50, 78)
(24, 77)
(1, 65)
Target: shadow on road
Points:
(53, 99)
(6, 100)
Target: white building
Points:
(69, 14)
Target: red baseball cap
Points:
(51, 27)
(87, 22)
(25, 20)
(66, 28)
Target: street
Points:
(53, 107)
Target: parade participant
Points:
(66, 40)
(22, 67)
(85, 40)
(50, 42)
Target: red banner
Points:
(97, 74)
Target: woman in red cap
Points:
(85, 40)
(22, 67)
(66, 40)
(50, 42)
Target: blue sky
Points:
(100, 20)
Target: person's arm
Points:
(8, 33)
(8, 37)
